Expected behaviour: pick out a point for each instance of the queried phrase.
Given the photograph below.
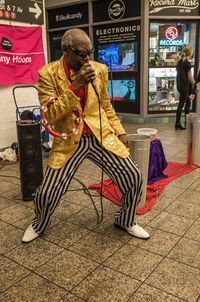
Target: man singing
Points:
(69, 82)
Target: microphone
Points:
(95, 88)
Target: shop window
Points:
(166, 41)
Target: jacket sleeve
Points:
(65, 99)
(113, 120)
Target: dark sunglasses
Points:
(81, 53)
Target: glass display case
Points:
(165, 47)
(163, 95)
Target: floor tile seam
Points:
(8, 198)
(100, 263)
(16, 220)
(50, 241)
(19, 203)
(103, 263)
(150, 251)
(176, 215)
(188, 201)
(10, 182)
(89, 206)
(113, 237)
(132, 296)
(183, 215)
(181, 186)
(31, 269)
(69, 292)
(9, 176)
(13, 248)
(57, 215)
(122, 273)
(87, 276)
(183, 235)
(160, 229)
(46, 279)
(194, 221)
(113, 270)
(13, 225)
(161, 290)
(16, 226)
(3, 196)
(52, 282)
(184, 190)
(159, 212)
(156, 266)
(27, 204)
(162, 209)
(14, 197)
(82, 225)
(185, 263)
(76, 224)
(16, 282)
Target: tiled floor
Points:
(80, 260)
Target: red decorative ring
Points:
(44, 108)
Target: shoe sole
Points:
(30, 240)
(121, 227)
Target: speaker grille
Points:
(30, 157)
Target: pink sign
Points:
(21, 54)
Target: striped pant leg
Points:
(54, 185)
(126, 175)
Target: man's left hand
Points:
(124, 139)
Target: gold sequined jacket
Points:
(53, 82)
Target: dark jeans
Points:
(183, 101)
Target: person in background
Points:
(69, 84)
(185, 81)
(197, 82)
(157, 60)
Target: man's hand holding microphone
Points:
(84, 76)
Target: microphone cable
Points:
(99, 220)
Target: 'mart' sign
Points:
(174, 7)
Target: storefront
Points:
(166, 41)
(140, 46)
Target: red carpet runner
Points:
(154, 190)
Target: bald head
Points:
(75, 37)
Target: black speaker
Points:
(30, 157)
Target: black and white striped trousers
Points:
(123, 172)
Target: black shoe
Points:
(179, 127)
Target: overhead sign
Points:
(72, 15)
(28, 11)
(174, 7)
(106, 10)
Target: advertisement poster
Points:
(21, 54)
(118, 46)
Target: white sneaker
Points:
(30, 234)
(136, 231)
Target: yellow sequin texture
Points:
(54, 83)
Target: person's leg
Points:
(54, 185)
(187, 109)
(182, 101)
(128, 177)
